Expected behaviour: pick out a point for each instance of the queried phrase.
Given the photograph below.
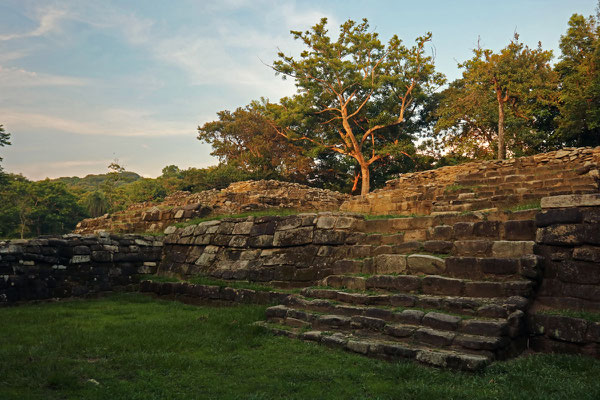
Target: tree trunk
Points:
(501, 144)
(365, 187)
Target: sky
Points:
(84, 83)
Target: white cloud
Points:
(110, 122)
(48, 21)
(18, 77)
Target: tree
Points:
(246, 139)
(513, 88)
(579, 72)
(36, 208)
(4, 141)
(353, 93)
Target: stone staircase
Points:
(447, 295)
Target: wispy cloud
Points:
(111, 122)
(19, 77)
(48, 20)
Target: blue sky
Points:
(85, 82)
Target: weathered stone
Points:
(261, 241)
(425, 264)
(326, 222)
(562, 235)
(513, 249)
(472, 247)
(442, 285)
(390, 263)
(404, 283)
(434, 337)
(441, 321)
(376, 324)
(242, 228)
(293, 237)
(483, 327)
(587, 253)
(479, 342)
(571, 200)
(358, 347)
(558, 216)
(438, 246)
(400, 331)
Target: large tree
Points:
(579, 71)
(354, 93)
(514, 88)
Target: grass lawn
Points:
(129, 346)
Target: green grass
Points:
(277, 212)
(456, 187)
(131, 346)
(587, 315)
(534, 205)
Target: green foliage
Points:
(245, 138)
(513, 90)
(37, 208)
(579, 71)
(355, 94)
(136, 347)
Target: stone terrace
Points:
(485, 185)
(239, 197)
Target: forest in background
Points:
(365, 111)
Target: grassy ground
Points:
(130, 346)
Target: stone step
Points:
(432, 284)
(438, 319)
(387, 349)
(518, 226)
(473, 247)
(480, 307)
(496, 268)
(432, 329)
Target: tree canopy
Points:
(579, 71)
(514, 88)
(354, 93)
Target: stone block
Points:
(562, 235)
(243, 228)
(438, 246)
(261, 241)
(425, 264)
(326, 221)
(288, 223)
(404, 283)
(558, 216)
(587, 253)
(442, 285)
(434, 337)
(322, 236)
(390, 263)
(571, 200)
(463, 230)
(441, 321)
(560, 327)
(293, 237)
(472, 247)
(81, 250)
(486, 229)
(441, 232)
(400, 331)
(484, 327)
(579, 272)
(519, 230)
(265, 228)
(504, 248)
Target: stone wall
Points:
(568, 239)
(485, 185)
(239, 197)
(74, 265)
(285, 251)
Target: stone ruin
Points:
(471, 281)
(239, 197)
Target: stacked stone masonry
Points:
(238, 198)
(74, 265)
(485, 185)
(446, 290)
(568, 239)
